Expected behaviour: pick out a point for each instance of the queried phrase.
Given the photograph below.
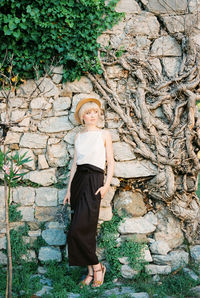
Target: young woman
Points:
(86, 188)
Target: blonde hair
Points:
(87, 107)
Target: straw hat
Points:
(82, 102)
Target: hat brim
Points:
(82, 102)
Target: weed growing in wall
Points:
(35, 32)
(114, 250)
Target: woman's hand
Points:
(103, 190)
(67, 198)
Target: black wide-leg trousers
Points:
(85, 206)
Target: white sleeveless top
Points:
(90, 148)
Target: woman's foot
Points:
(88, 279)
(99, 273)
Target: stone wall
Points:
(47, 128)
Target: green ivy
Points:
(35, 32)
(14, 214)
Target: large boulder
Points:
(132, 202)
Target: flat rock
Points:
(46, 196)
(3, 242)
(168, 228)
(134, 169)
(57, 73)
(54, 236)
(143, 24)
(195, 291)
(43, 177)
(29, 153)
(27, 213)
(47, 87)
(165, 46)
(55, 124)
(12, 138)
(191, 273)
(127, 272)
(57, 154)
(166, 6)
(157, 269)
(123, 151)
(44, 291)
(175, 259)
(128, 6)
(46, 213)
(3, 258)
(105, 213)
(160, 247)
(47, 253)
(42, 162)
(33, 140)
(130, 202)
(138, 225)
(195, 252)
(83, 85)
(106, 201)
(25, 196)
(69, 137)
(61, 103)
(171, 65)
(39, 103)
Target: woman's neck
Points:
(90, 128)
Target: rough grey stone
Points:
(17, 115)
(35, 233)
(157, 269)
(160, 247)
(27, 213)
(171, 65)
(168, 228)
(42, 162)
(131, 202)
(127, 272)
(47, 87)
(46, 196)
(39, 103)
(136, 225)
(105, 213)
(3, 242)
(165, 46)
(55, 124)
(57, 155)
(47, 253)
(123, 151)
(61, 195)
(44, 291)
(44, 177)
(195, 252)
(54, 225)
(128, 6)
(12, 138)
(106, 201)
(24, 196)
(191, 274)
(83, 85)
(41, 270)
(3, 258)
(134, 169)
(29, 153)
(166, 6)
(33, 140)
(195, 291)
(143, 24)
(46, 213)
(178, 23)
(57, 72)
(175, 259)
(62, 103)
(54, 236)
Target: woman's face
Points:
(91, 116)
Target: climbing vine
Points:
(35, 32)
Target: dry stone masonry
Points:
(47, 128)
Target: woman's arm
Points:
(110, 163)
(72, 172)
